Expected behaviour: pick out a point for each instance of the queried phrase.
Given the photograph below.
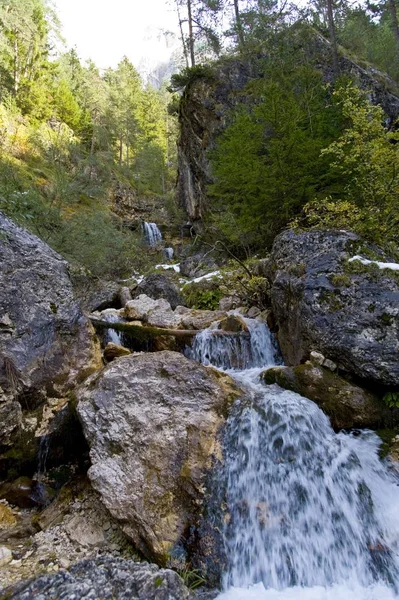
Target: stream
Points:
(312, 514)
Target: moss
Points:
(386, 436)
(54, 307)
(340, 279)
(386, 319)
(158, 581)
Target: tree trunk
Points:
(240, 31)
(183, 41)
(333, 37)
(394, 18)
(190, 33)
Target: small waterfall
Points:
(40, 490)
(312, 515)
(111, 335)
(152, 234)
(245, 350)
(169, 253)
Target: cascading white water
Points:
(111, 335)
(312, 515)
(152, 234)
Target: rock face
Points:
(105, 578)
(347, 405)
(207, 100)
(153, 425)
(160, 286)
(345, 310)
(46, 343)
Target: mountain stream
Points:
(312, 514)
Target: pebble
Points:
(5, 555)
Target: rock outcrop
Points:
(105, 578)
(153, 425)
(47, 345)
(158, 286)
(346, 404)
(209, 97)
(345, 310)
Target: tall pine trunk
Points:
(394, 18)
(240, 31)
(190, 33)
(333, 37)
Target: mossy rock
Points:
(346, 404)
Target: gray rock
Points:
(152, 423)
(52, 341)
(154, 312)
(197, 265)
(346, 404)
(158, 286)
(349, 315)
(105, 578)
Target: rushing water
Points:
(312, 515)
(152, 234)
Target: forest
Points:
(300, 150)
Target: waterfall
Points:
(152, 234)
(111, 335)
(312, 515)
(169, 253)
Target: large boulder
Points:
(105, 578)
(346, 404)
(158, 286)
(348, 311)
(153, 424)
(47, 345)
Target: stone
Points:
(346, 404)
(7, 517)
(159, 285)
(197, 265)
(316, 358)
(18, 492)
(201, 319)
(350, 316)
(105, 578)
(229, 303)
(329, 364)
(50, 345)
(233, 323)
(253, 312)
(84, 532)
(125, 296)
(112, 351)
(5, 556)
(153, 424)
(157, 313)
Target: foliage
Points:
(192, 578)
(391, 399)
(204, 295)
(179, 81)
(366, 158)
(267, 163)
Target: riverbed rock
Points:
(105, 578)
(158, 286)
(153, 424)
(157, 313)
(346, 404)
(324, 303)
(48, 344)
(112, 351)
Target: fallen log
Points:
(146, 331)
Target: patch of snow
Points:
(207, 276)
(176, 267)
(380, 265)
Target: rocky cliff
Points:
(213, 91)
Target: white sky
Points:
(107, 30)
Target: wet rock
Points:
(351, 316)
(10, 421)
(158, 286)
(201, 319)
(346, 404)
(18, 492)
(153, 425)
(105, 578)
(112, 351)
(233, 323)
(197, 265)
